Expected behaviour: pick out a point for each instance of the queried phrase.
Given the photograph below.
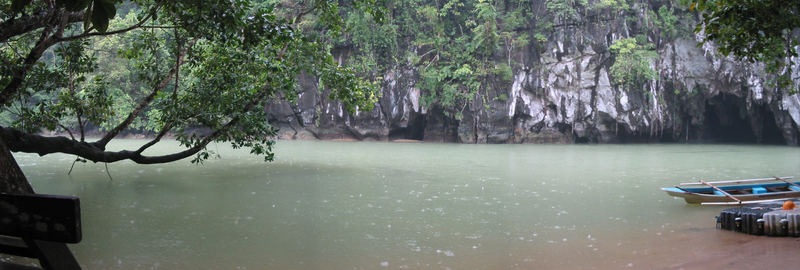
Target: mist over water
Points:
(340, 205)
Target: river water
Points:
(356, 205)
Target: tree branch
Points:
(44, 42)
(145, 102)
(107, 33)
(57, 18)
(161, 134)
(28, 23)
(19, 141)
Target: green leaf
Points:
(102, 12)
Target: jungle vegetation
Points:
(203, 71)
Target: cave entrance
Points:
(415, 130)
(625, 135)
(581, 140)
(770, 132)
(726, 121)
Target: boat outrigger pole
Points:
(720, 190)
(730, 192)
(787, 181)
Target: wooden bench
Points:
(39, 226)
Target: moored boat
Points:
(736, 191)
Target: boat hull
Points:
(701, 195)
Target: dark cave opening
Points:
(619, 132)
(415, 130)
(581, 140)
(770, 132)
(626, 135)
(726, 121)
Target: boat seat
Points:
(759, 190)
(795, 188)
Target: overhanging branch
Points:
(107, 33)
(19, 141)
(145, 102)
(28, 23)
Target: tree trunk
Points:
(12, 180)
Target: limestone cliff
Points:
(562, 93)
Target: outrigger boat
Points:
(736, 191)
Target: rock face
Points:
(563, 94)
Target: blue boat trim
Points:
(733, 187)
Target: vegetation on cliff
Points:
(464, 48)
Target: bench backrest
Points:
(41, 217)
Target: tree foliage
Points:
(200, 70)
(462, 48)
(456, 41)
(753, 30)
(632, 62)
(569, 9)
(466, 52)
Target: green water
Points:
(341, 205)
